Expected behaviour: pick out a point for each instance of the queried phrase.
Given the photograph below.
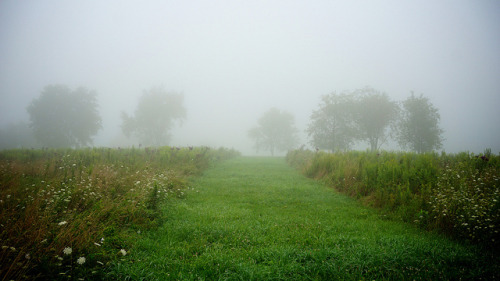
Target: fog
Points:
(234, 60)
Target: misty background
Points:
(234, 60)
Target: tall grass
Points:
(67, 213)
(458, 194)
(255, 218)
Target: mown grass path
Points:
(258, 219)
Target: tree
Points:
(17, 135)
(418, 128)
(333, 125)
(275, 131)
(374, 114)
(61, 117)
(154, 117)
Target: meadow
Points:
(257, 218)
(457, 194)
(209, 214)
(68, 213)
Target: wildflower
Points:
(123, 252)
(81, 260)
(63, 223)
(67, 250)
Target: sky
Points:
(234, 60)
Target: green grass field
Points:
(259, 219)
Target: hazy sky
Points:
(234, 60)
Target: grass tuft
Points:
(67, 213)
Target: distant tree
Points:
(275, 131)
(418, 126)
(17, 135)
(61, 117)
(374, 114)
(333, 126)
(154, 117)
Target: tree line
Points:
(364, 115)
(65, 117)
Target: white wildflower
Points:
(63, 223)
(81, 260)
(123, 252)
(67, 250)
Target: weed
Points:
(66, 213)
(455, 193)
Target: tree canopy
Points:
(333, 125)
(344, 119)
(17, 135)
(374, 114)
(275, 131)
(62, 117)
(154, 117)
(418, 127)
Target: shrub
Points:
(456, 193)
(68, 212)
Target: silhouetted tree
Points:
(17, 135)
(374, 114)
(418, 126)
(61, 117)
(333, 125)
(275, 131)
(154, 117)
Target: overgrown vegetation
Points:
(67, 213)
(256, 218)
(458, 194)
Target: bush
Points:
(68, 212)
(455, 193)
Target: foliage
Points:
(255, 218)
(343, 119)
(458, 194)
(466, 200)
(275, 131)
(59, 206)
(154, 117)
(61, 117)
(418, 127)
(332, 126)
(17, 135)
(374, 113)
